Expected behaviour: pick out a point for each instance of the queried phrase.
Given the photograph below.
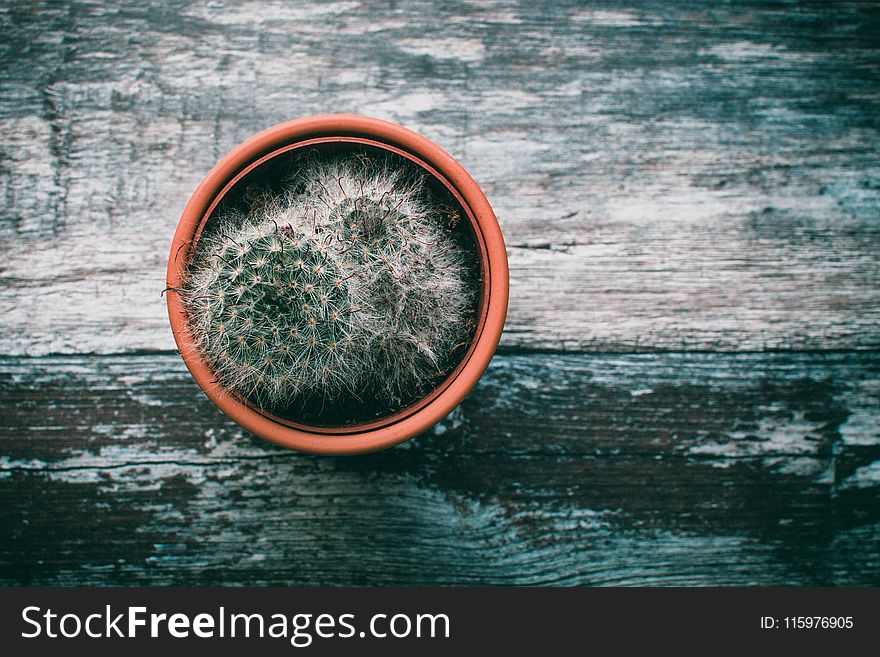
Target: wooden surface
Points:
(688, 388)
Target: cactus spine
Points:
(346, 284)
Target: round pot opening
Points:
(419, 267)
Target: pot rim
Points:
(433, 407)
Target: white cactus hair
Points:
(347, 284)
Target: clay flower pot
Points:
(256, 155)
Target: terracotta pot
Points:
(346, 128)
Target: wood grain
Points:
(688, 390)
(608, 470)
(668, 176)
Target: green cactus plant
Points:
(346, 285)
(273, 313)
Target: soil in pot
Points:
(334, 285)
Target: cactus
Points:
(346, 285)
(273, 314)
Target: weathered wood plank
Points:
(699, 176)
(601, 469)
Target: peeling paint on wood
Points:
(689, 177)
(615, 469)
(668, 175)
